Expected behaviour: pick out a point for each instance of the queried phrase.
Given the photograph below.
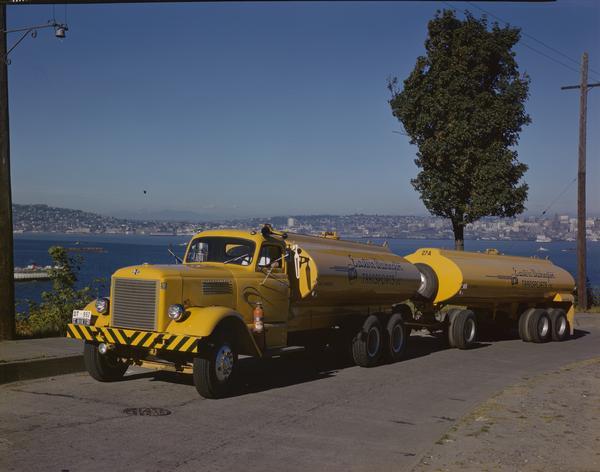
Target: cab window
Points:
(221, 249)
(270, 257)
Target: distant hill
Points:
(41, 217)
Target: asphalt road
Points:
(292, 414)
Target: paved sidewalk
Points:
(44, 357)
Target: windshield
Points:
(221, 249)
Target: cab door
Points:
(274, 293)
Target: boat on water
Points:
(542, 238)
(98, 250)
(542, 249)
(33, 272)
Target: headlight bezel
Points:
(102, 305)
(176, 312)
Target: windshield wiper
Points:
(177, 258)
(236, 258)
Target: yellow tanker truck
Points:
(268, 293)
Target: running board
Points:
(283, 351)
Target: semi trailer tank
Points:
(252, 293)
(490, 287)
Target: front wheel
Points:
(103, 367)
(215, 373)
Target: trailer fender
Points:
(567, 301)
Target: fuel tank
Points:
(466, 278)
(346, 272)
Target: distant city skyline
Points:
(263, 109)
(45, 219)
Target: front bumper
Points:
(135, 338)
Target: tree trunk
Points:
(459, 238)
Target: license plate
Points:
(82, 317)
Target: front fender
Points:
(203, 321)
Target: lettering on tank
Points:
(527, 278)
(372, 271)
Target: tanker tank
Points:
(532, 291)
(330, 270)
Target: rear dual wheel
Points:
(560, 325)
(535, 326)
(373, 342)
(368, 342)
(396, 338)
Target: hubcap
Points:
(373, 342)
(469, 330)
(544, 326)
(562, 325)
(397, 338)
(224, 363)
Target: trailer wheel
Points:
(524, 325)
(396, 338)
(368, 342)
(215, 372)
(103, 367)
(539, 326)
(560, 325)
(462, 331)
(447, 327)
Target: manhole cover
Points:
(147, 411)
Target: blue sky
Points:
(230, 110)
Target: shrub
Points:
(51, 316)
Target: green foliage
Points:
(50, 317)
(592, 295)
(463, 106)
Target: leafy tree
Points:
(51, 316)
(463, 106)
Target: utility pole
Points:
(581, 212)
(7, 287)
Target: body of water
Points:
(122, 250)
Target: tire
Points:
(395, 338)
(524, 325)
(449, 319)
(462, 330)
(560, 325)
(539, 326)
(429, 281)
(103, 367)
(215, 373)
(368, 342)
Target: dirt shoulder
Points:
(547, 423)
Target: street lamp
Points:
(7, 289)
(60, 31)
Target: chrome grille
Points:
(216, 287)
(134, 303)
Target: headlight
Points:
(102, 305)
(176, 312)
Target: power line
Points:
(567, 187)
(574, 61)
(541, 53)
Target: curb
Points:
(35, 369)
